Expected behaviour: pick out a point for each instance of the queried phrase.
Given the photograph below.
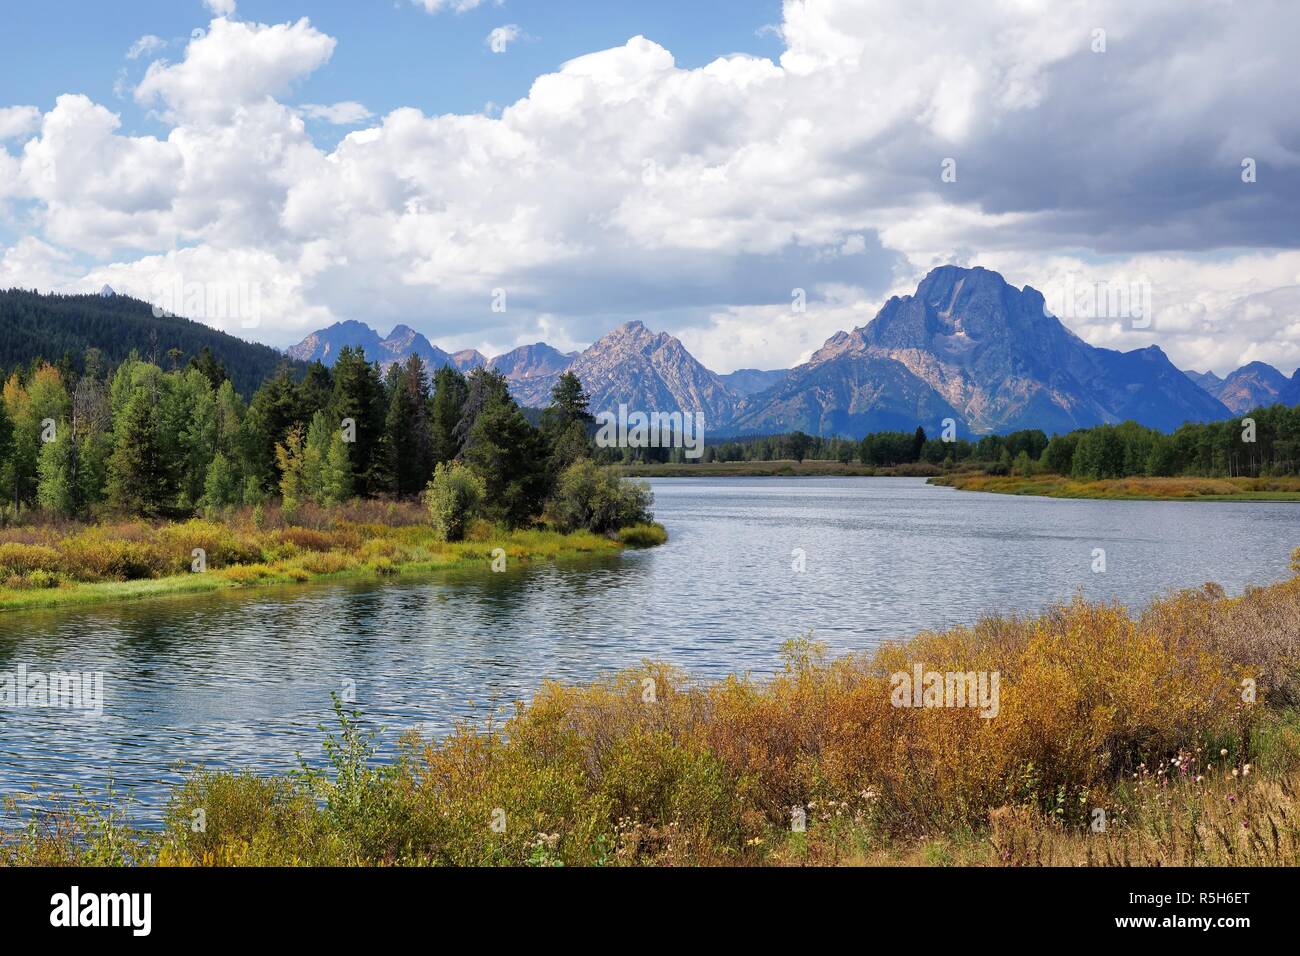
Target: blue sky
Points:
(392, 52)
(695, 165)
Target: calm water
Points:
(244, 680)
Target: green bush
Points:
(643, 535)
(599, 500)
(453, 498)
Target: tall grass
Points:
(1144, 718)
(64, 562)
(1057, 486)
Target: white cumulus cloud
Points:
(624, 185)
(346, 113)
(16, 121)
(145, 46)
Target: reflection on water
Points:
(243, 680)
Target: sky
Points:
(751, 177)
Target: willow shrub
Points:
(454, 498)
(588, 496)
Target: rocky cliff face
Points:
(650, 372)
(532, 370)
(468, 359)
(1251, 386)
(745, 382)
(988, 352)
(400, 343)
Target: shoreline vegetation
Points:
(1137, 488)
(67, 563)
(1254, 457)
(1165, 737)
(133, 482)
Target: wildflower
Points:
(1223, 752)
(1245, 771)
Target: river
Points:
(243, 679)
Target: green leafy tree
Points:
(453, 497)
(336, 476)
(597, 499)
(289, 458)
(314, 456)
(221, 484)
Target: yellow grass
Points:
(53, 564)
(1139, 488)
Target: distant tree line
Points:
(61, 329)
(166, 443)
(1264, 442)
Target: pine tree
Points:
(510, 455)
(359, 397)
(408, 438)
(484, 387)
(566, 422)
(139, 479)
(272, 412)
(449, 393)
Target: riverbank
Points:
(66, 564)
(1188, 753)
(778, 468)
(1135, 489)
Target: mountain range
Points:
(966, 346)
(1251, 386)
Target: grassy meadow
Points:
(1177, 728)
(57, 562)
(1135, 488)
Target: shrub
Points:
(643, 535)
(453, 498)
(22, 558)
(599, 499)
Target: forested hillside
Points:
(60, 328)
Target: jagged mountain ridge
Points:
(1254, 385)
(993, 355)
(966, 345)
(402, 342)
